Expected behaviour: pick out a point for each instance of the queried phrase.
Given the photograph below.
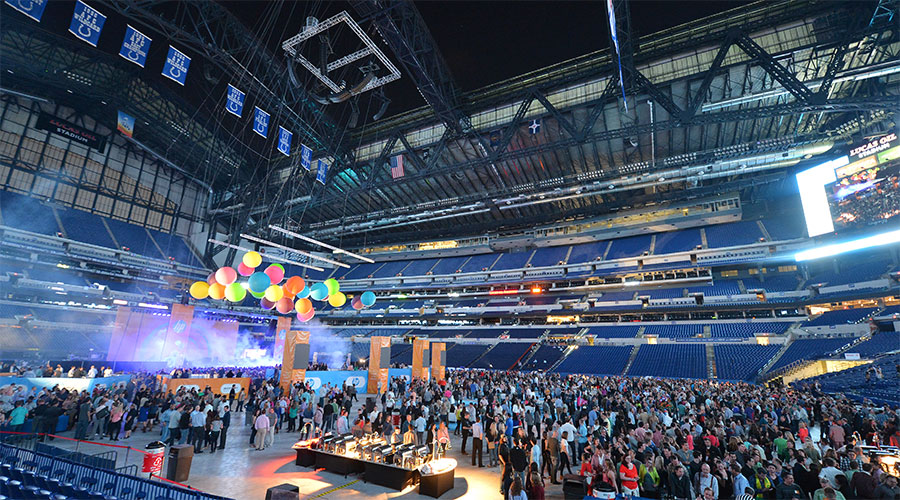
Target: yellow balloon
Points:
(200, 290)
(337, 300)
(274, 293)
(252, 259)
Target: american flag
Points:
(397, 166)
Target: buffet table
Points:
(339, 464)
(390, 476)
(439, 479)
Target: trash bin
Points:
(179, 468)
(153, 459)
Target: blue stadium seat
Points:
(732, 233)
(632, 246)
(549, 256)
(670, 360)
(596, 360)
(742, 362)
(676, 241)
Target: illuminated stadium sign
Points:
(852, 191)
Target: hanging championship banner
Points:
(284, 141)
(260, 122)
(322, 171)
(135, 46)
(87, 23)
(31, 8)
(235, 102)
(305, 157)
(176, 67)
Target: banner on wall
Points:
(135, 46)
(177, 65)
(31, 8)
(178, 332)
(281, 328)
(221, 386)
(125, 124)
(357, 378)
(87, 23)
(72, 384)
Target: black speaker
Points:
(301, 357)
(426, 358)
(385, 361)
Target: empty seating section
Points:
(462, 355)
(543, 358)
(663, 293)
(54, 275)
(719, 287)
(503, 356)
(419, 267)
(540, 301)
(134, 238)
(85, 227)
(486, 333)
(628, 247)
(359, 351)
(390, 269)
(853, 381)
(479, 263)
(852, 271)
(889, 310)
(401, 354)
(614, 332)
(525, 333)
(785, 228)
(596, 360)
(742, 362)
(809, 349)
(616, 296)
(28, 473)
(549, 256)
(587, 252)
(174, 246)
(358, 272)
(55, 315)
(449, 265)
(676, 241)
(674, 331)
(744, 330)
(26, 213)
(880, 343)
(514, 260)
(668, 360)
(733, 233)
(841, 317)
(785, 283)
(447, 333)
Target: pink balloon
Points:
(275, 273)
(244, 270)
(306, 317)
(284, 305)
(356, 303)
(211, 279)
(226, 275)
(266, 304)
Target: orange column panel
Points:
(419, 361)
(295, 359)
(379, 361)
(438, 361)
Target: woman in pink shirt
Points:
(115, 422)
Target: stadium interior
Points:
(646, 209)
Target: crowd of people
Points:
(654, 438)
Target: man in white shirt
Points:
(477, 438)
(342, 425)
(198, 429)
(262, 428)
(420, 429)
(570, 431)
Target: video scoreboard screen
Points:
(857, 190)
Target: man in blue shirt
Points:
(740, 482)
(17, 417)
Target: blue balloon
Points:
(318, 292)
(367, 299)
(303, 293)
(258, 282)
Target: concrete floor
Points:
(243, 473)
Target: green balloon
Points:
(258, 295)
(333, 286)
(235, 292)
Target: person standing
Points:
(84, 419)
(215, 428)
(477, 438)
(628, 474)
(198, 429)
(226, 423)
(261, 425)
(466, 429)
(171, 424)
(553, 452)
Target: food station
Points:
(396, 466)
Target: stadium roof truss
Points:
(756, 80)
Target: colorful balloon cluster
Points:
(292, 295)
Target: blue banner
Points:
(73, 384)
(87, 23)
(322, 171)
(359, 378)
(235, 102)
(284, 141)
(176, 67)
(306, 157)
(260, 122)
(31, 8)
(135, 46)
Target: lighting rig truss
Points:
(314, 28)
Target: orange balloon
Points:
(217, 291)
(303, 306)
(293, 285)
(287, 291)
